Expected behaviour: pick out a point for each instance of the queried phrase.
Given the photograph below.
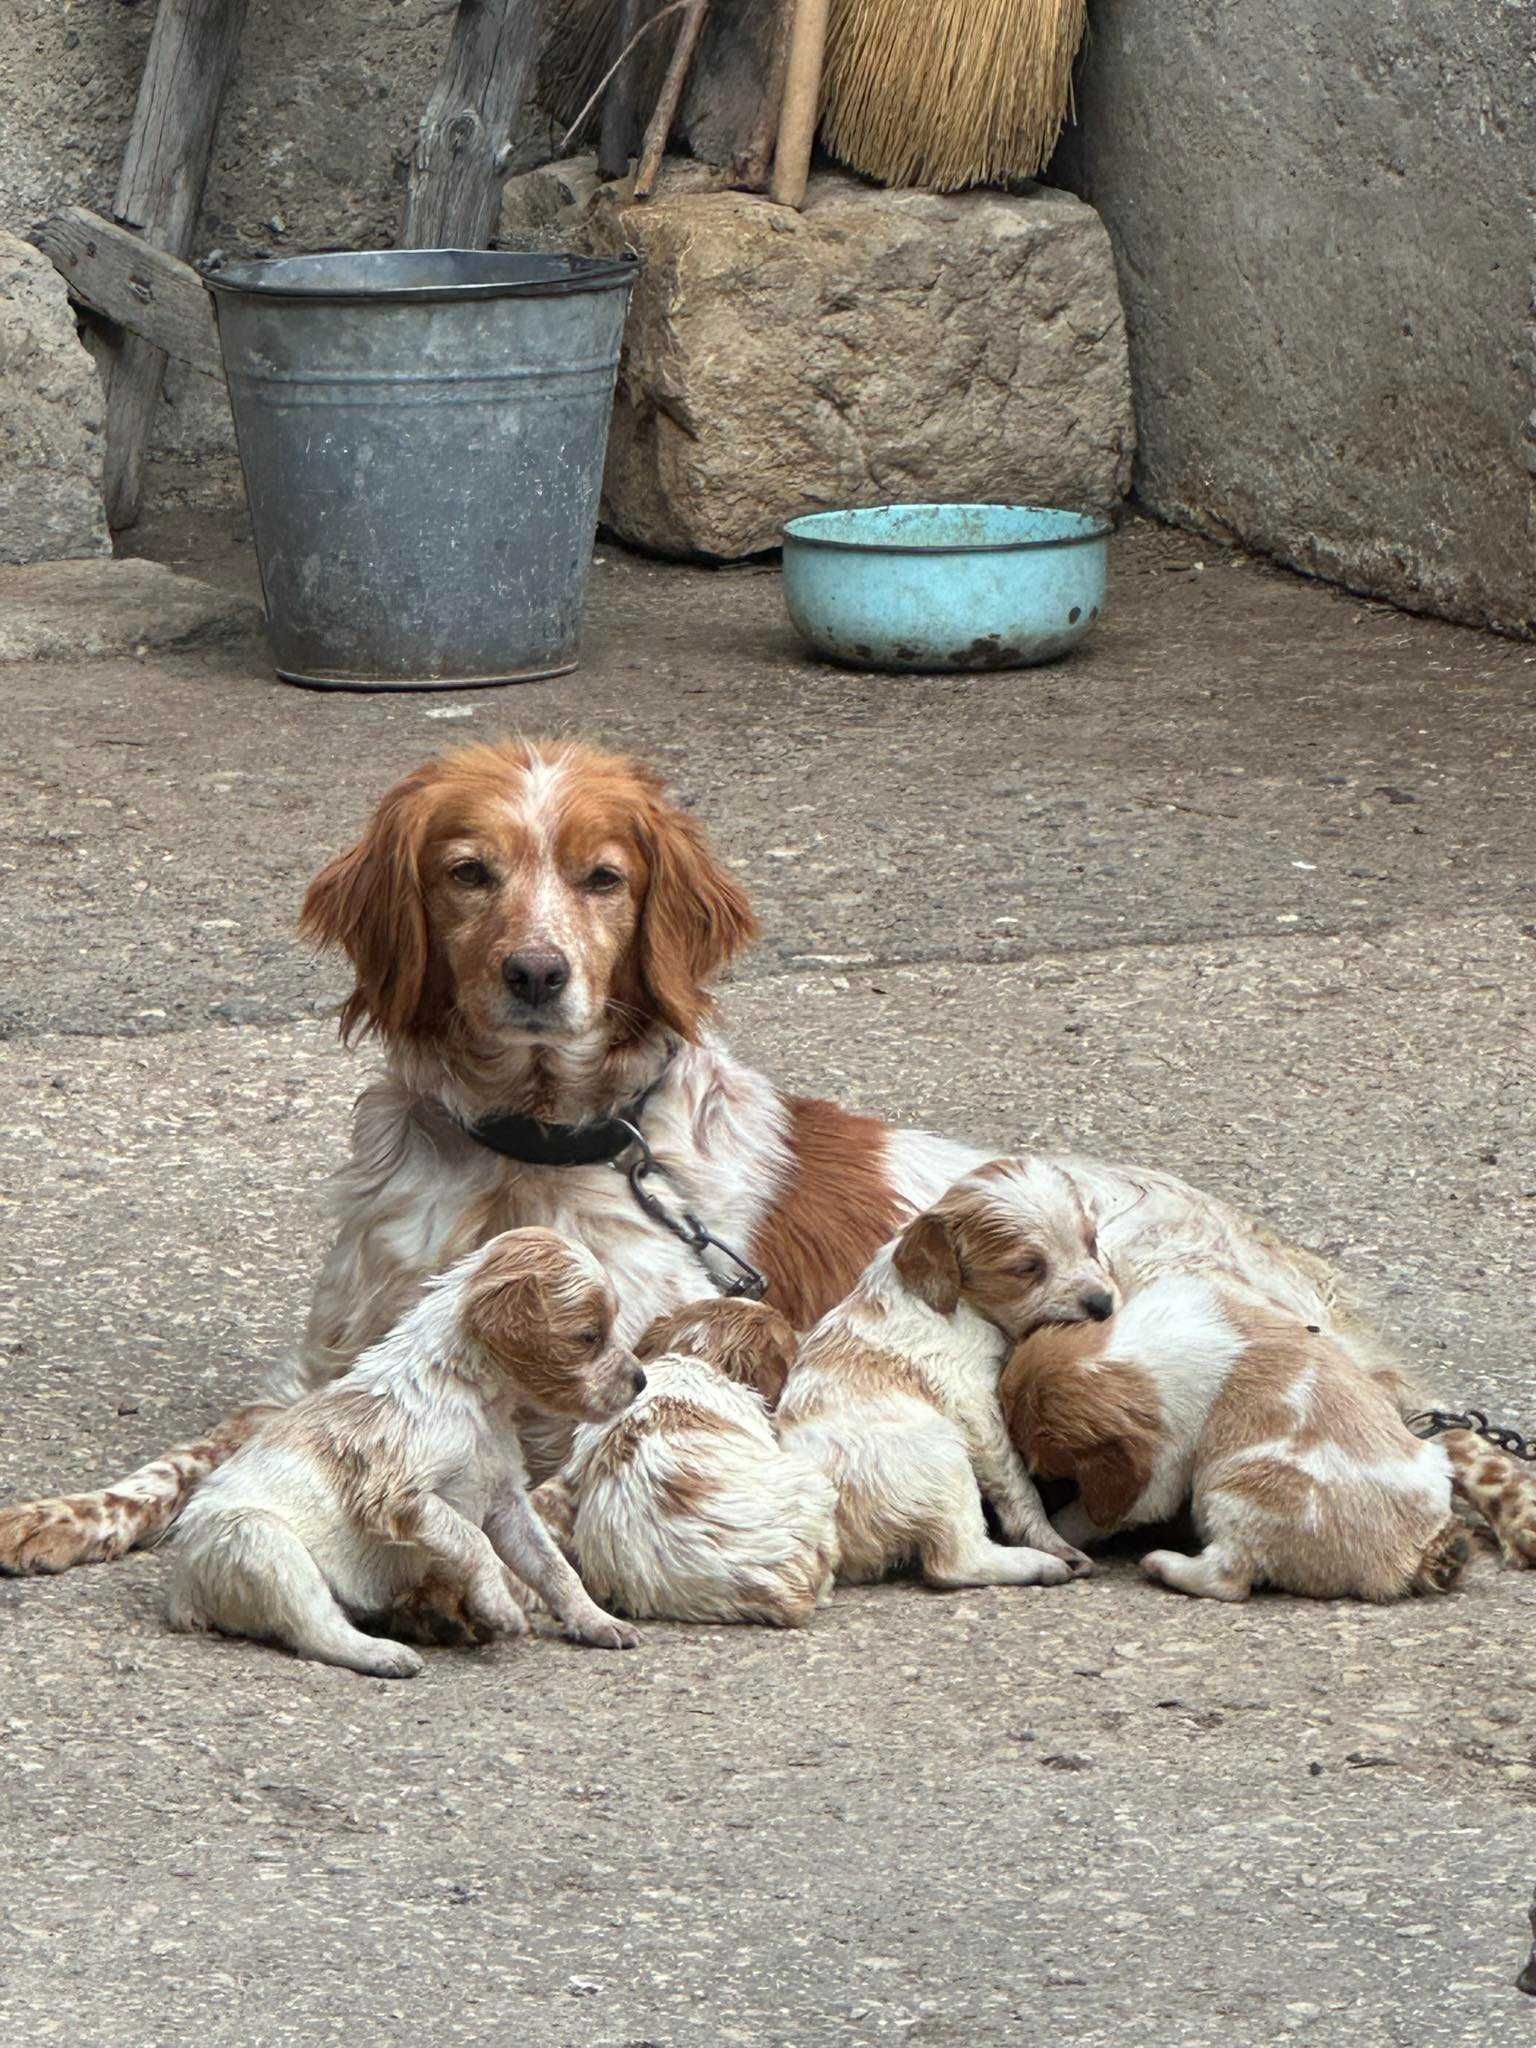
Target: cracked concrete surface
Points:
(1246, 889)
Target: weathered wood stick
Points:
(464, 143)
(802, 102)
(616, 140)
(653, 148)
(155, 296)
(749, 172)
(192, 51)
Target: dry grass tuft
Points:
(948, 93)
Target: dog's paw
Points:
(601, 1631)
(44, 1536)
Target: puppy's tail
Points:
(1444, 1559)
(38, 1536)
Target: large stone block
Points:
(1324, 231)
(51, 418)
(881, 345)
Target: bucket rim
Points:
(256, 279)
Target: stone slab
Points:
(71, 611)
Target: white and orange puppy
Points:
(686, 1508)
(1296, 1462)
(895, 1393)
(409, 1467)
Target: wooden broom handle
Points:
(802, 99)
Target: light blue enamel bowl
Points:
(929, 588)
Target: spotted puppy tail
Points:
(1500, 1488)
(38, 1536)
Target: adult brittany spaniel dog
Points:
(534, 930)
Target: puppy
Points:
(1298, 1466)
(895, 1393)
(686, 1508)
(410, 1467)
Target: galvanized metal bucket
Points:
(422, 433)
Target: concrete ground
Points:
(1245, 889)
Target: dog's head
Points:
(526, 895)
(1074, 1414)
(745, 1340)
(1014, 1240)
(539, 1313)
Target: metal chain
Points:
(748, 1281)
(1434, 1421)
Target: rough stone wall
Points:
(1322, 220)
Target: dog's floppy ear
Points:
(927, 1262)
(695, 919)
(1111, 1478)
(371, 902)
(764, 1354)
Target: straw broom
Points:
(948, 93)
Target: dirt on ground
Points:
(1246, 889)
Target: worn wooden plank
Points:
(620, 129)
(191, 54)
(464, 143)
(754, 160)
(653, 147)
(155, 296)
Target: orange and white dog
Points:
(687, 1508)
(410, 1467)
(534, 929)
(895, 1393)
(1295, 1462)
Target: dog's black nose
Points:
(1099, 1304)
(638, 1379)
(536, 978)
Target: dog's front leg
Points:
(1005, 1483)
(462, 1554)
(521, 1540)
(555, 1503)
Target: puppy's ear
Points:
(764, 1356)
(927, 1262)
(371, 902)
(1111, 1478)
(695, 919)
(500, 1309)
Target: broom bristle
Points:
(947, 93)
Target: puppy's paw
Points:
(492, 1609)
(602, 1631)
(1048, 1569)
(393, 1660)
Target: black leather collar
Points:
(533, 1143)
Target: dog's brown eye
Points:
(471, 874)
(591, 1338)
(601, 881)
(1030, 1270)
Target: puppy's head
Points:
(1074, 1414)
(1015, 1241)
(526, 895)
(745, 1340)
(539, 1313)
